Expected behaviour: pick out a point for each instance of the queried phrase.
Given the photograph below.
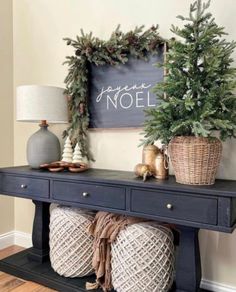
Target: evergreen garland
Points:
(197, 94)
(90, 49)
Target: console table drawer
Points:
(184, 207)
(25, 186)
(90, 194)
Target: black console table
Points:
(188, 207)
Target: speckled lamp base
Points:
(43, 147)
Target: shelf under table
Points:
(21, 266)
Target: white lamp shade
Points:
(35, 103)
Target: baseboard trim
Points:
(216, 286)
(15, 237)
(24, 239)
(7, 239)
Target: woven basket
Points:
(195, 159)
(71, 248)
(143, 259)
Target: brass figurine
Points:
(162, 167)
(149, 156)
(142, 170)
(157, 160)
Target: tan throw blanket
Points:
(105, 228)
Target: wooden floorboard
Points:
(10, 283)
(10, 251)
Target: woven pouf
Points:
(71, 248)
(143, 259)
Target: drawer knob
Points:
(169, 206)
(23, 186)
(85, 194)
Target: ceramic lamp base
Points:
(43, 147)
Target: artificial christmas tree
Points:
(67, 151)
(196, 97)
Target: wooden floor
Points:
(10, 283)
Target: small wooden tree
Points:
(67, 151)
(77, 155)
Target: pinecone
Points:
(153, 45)
(81, 108)
(69, 98)
(78, 52)
(111, 49)
(132, 39)
(88, 51)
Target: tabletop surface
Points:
(220, 188)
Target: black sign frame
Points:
(118, 95)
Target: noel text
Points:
(126, 96)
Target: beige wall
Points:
(39, 51)
(6, 105)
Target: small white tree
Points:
(67, 151)
(77, 156)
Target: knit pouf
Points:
(143, 259)
(71, 248)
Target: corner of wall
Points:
(6, 108)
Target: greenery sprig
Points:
(197, 96)
(92, 50)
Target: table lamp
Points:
(41, 104)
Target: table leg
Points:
(188, 266)
(40, 235)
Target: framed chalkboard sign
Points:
(118, 95)
(109, 84)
